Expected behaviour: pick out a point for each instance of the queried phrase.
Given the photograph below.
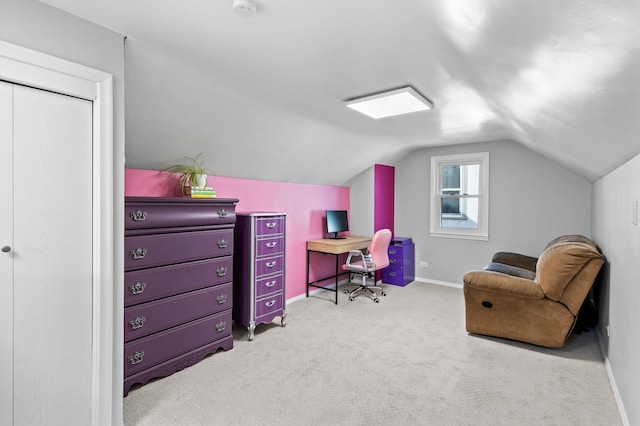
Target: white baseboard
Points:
(438, 282)
(612, 381)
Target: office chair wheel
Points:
(345, 291)
(383, 293)
(351, 299)
(376, 300)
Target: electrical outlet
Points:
(424, 264)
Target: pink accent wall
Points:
(304, 204)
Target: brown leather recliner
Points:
(532, 300)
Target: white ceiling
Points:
(559, 76)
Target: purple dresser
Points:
(401, 270)
(178, 283)
(258, 269)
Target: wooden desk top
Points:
(331, 246)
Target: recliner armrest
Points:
(502, 283)
(515, 259)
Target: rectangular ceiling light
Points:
(394, 102)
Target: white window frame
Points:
(437, 162)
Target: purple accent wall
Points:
(383, 197)
(304, 204)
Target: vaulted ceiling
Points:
(263, 96)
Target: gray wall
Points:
(34, 25)
(614, 231)
(532, 200)
(362, 203)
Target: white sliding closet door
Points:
(46, 216)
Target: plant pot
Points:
(201, 180)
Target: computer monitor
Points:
(337, 222)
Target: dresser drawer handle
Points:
(139, 253)
(221, 271)
(137, 323)
(222, 243)
(221, 326)
(271, 264)
(392, 252)
(135, 358)
(222, 213)
(270, 284)
(222, 299)
(137, 288)
(392, 261)
(271, 225)
(270, 303)
(138, 215)
(392, 274)
(271, 245)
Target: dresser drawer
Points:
(144, 251)
(268, 246)
(269, 305)
(158, 213)
(155, 283)
(269, 225)
(269, 266)
(151, 350)
(269, 285)
(151, 317)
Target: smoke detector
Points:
(244, 8)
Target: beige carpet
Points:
(404, 361)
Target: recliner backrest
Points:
(566, 271)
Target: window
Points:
(460, 196)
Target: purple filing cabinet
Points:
(178, 283)
(401, 270)
(259, 269)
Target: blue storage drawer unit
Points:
(401, 270)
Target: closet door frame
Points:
(31, 68)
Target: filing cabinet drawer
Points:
(151, 284)
(151, 350)
(144, 251)
(151, 317)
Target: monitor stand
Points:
(335, 237)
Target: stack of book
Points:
(199, 192)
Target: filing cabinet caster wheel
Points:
(351, 299)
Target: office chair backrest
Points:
(378, 249)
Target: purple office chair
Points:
(367, 263)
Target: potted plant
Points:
(192, 174)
